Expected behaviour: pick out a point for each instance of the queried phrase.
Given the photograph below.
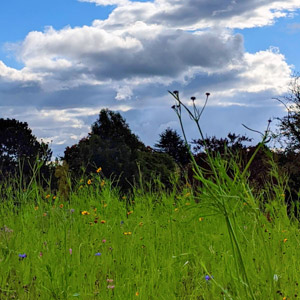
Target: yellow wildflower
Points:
(85, 212)
(129, 213)
(103, 221)
(285, 240)
(176, 209)
(200, 219)
(36, 208)
(137, 293)
(61, 205)
(89, 182)
(54, 197)
(47, 196)
(99, 170)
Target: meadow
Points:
(219, 240)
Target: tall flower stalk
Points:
(222, 189)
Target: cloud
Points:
(196, 14)
(142, 50)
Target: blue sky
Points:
(63, 61)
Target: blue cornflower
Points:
(122, 222)
(22, 255)
(207, 277)
(98, 254)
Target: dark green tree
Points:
(112, 146)
(232, 142)
(19, 147)
(171, 143)
(289, 126)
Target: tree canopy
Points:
(19, 145)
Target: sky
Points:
(61, 62)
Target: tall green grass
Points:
(153, 245)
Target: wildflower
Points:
(98, 254)
(47, 196)
(104, 205)
(103, 241)
(72, 210)
(200, 219)
(36, 208)
(103, 221)
(137, 293)
(176, 209)
(89, 182)
(111, 287)
(85, 212)
(141, 224)
(54, 197)
(95, 221)
(109, 280)
(61, 205)
(23, 255)
(70, 250)
(207, 277)
(102, 183)
(99, 170)
(127, 233)
(244, 203)
(188, 203)
(275, 277)
(129, 213)
(41, 254)
(124, 197)
(285, 240)
(122, 222)
(44, 214)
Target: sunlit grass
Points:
(147, 245)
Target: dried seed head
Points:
(193, 98)
(207, 94)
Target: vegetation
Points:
(124, 221)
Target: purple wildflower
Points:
(207, 277)
(23, 255)
(110, 286)
(72, 210)
(98, 254)
(70, 250)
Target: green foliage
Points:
(20, 148)
(154, 245)
(112, 146)
(171, 143)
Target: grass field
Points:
(211, 243)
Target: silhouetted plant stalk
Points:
(220, 191)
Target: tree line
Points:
(125, 159)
